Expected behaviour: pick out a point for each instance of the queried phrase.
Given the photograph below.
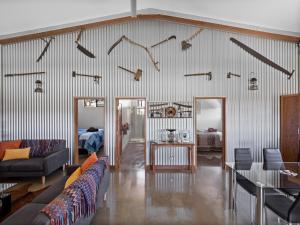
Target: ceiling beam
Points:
(168, 18)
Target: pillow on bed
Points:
(92, 129)
(212, 130)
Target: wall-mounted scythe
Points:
(96, 77)
(137, 44)
(209, 75)
(81, 48)
(45, 48)
(163, 41)
(262, 58)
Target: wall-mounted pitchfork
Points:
(81, 48)
(23, 74)
(185, 43)
(262, 58)
(45, 48)
(163, 41)
(209, 74)
(96, 77)
(136, 44)
(137, 74)
(229, 74)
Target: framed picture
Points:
(185, 136)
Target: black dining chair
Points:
(273, 161)
(284, 207)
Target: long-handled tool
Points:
(185, 43)
(137, 74)
(83, 49)
(229, 74)
(96, 77)
(137, 44)
(163, 41)
(23, 74)
(209, 74)
(262, 58)
(45, 48)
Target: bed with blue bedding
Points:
(90, 141)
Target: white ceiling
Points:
(24, 15)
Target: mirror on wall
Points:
(90, 127)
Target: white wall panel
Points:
(252, 116)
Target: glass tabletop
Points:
(269, 175)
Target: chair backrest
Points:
(243, 158)
(242, 155)
(272, 159)
(294, 211)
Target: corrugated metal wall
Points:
(252, 116)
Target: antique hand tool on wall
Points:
(23, 74)
(163, 41)
(96, 77)
(83, 49)
(209, 74)
(229, 74)
(261, 57)
(137, 74)
(137, 44)
(185, 43)
(45, 48)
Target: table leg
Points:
(189, 157)
(260, 205)
(231, 189)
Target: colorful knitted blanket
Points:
(79, 199)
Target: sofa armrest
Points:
(55, 160)
(70, 169)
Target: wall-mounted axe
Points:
(209, 74)
(185, 43)
(229, 74)
(83, 49)
(96, 77)
(137, 74)
(262, 58)
(163, 41)
(45, 48)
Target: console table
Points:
(159, 145)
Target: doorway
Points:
(89, 127)
(130, 133)
(210, 130)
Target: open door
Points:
(119, 134)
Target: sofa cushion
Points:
(43, 147)
(51, 192)
(33, 164)
(21, 153)
(8, 145)
(24, 215)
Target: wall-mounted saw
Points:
(45, 48)
(83, 49)
(262, 58)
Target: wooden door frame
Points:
(75, 121)
(224, 150)
(117, 101)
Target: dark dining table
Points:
(264, 176)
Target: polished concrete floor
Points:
(139, 197)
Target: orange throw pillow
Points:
(89, 161)
(11, 154)
(73, 177)
(8, 145)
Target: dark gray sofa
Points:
(49, 156)
(30, 214)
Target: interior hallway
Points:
(136, 197)
(132, 157)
